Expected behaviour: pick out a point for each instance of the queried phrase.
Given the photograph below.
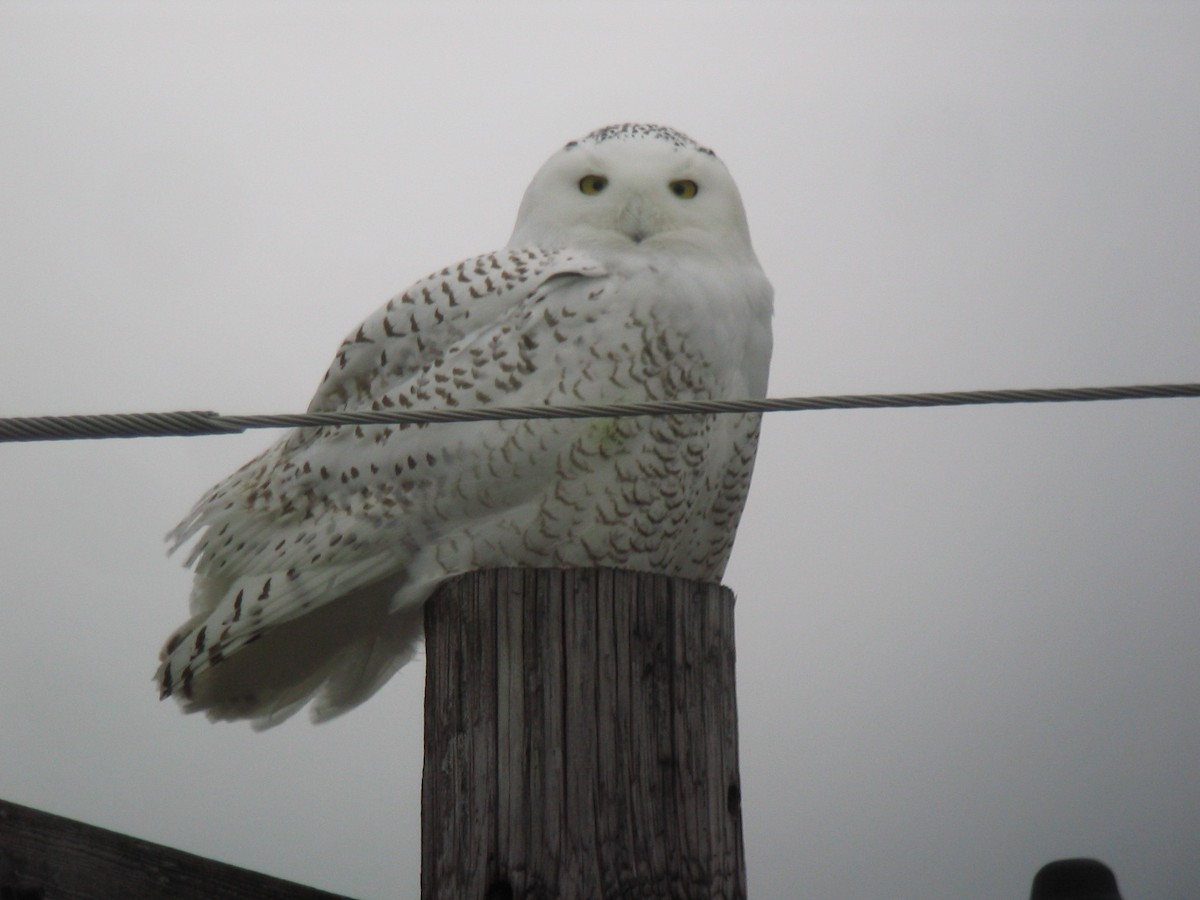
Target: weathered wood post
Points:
(580, 738)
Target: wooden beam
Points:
(580, 738)
(48, 857)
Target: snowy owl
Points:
(629, 277)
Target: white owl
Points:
(629, 277)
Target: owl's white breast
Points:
(720, 307)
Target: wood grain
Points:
(48, 857)
(580, 738)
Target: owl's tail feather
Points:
(341, 652)
(371, 665)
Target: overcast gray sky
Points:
(967, 638)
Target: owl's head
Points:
(638, 188)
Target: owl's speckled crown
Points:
(631, 130)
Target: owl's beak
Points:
(637, 219)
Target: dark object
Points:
(195, 422)
(45, 857)
(580, 738)
(1075, 879)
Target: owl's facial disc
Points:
(635, 188)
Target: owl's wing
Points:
(415, 328)
(284, 536)
(409, 334)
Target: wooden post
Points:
(580, 738)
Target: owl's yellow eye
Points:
(685, 188)
(592, 184)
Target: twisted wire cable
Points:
(192, 423)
